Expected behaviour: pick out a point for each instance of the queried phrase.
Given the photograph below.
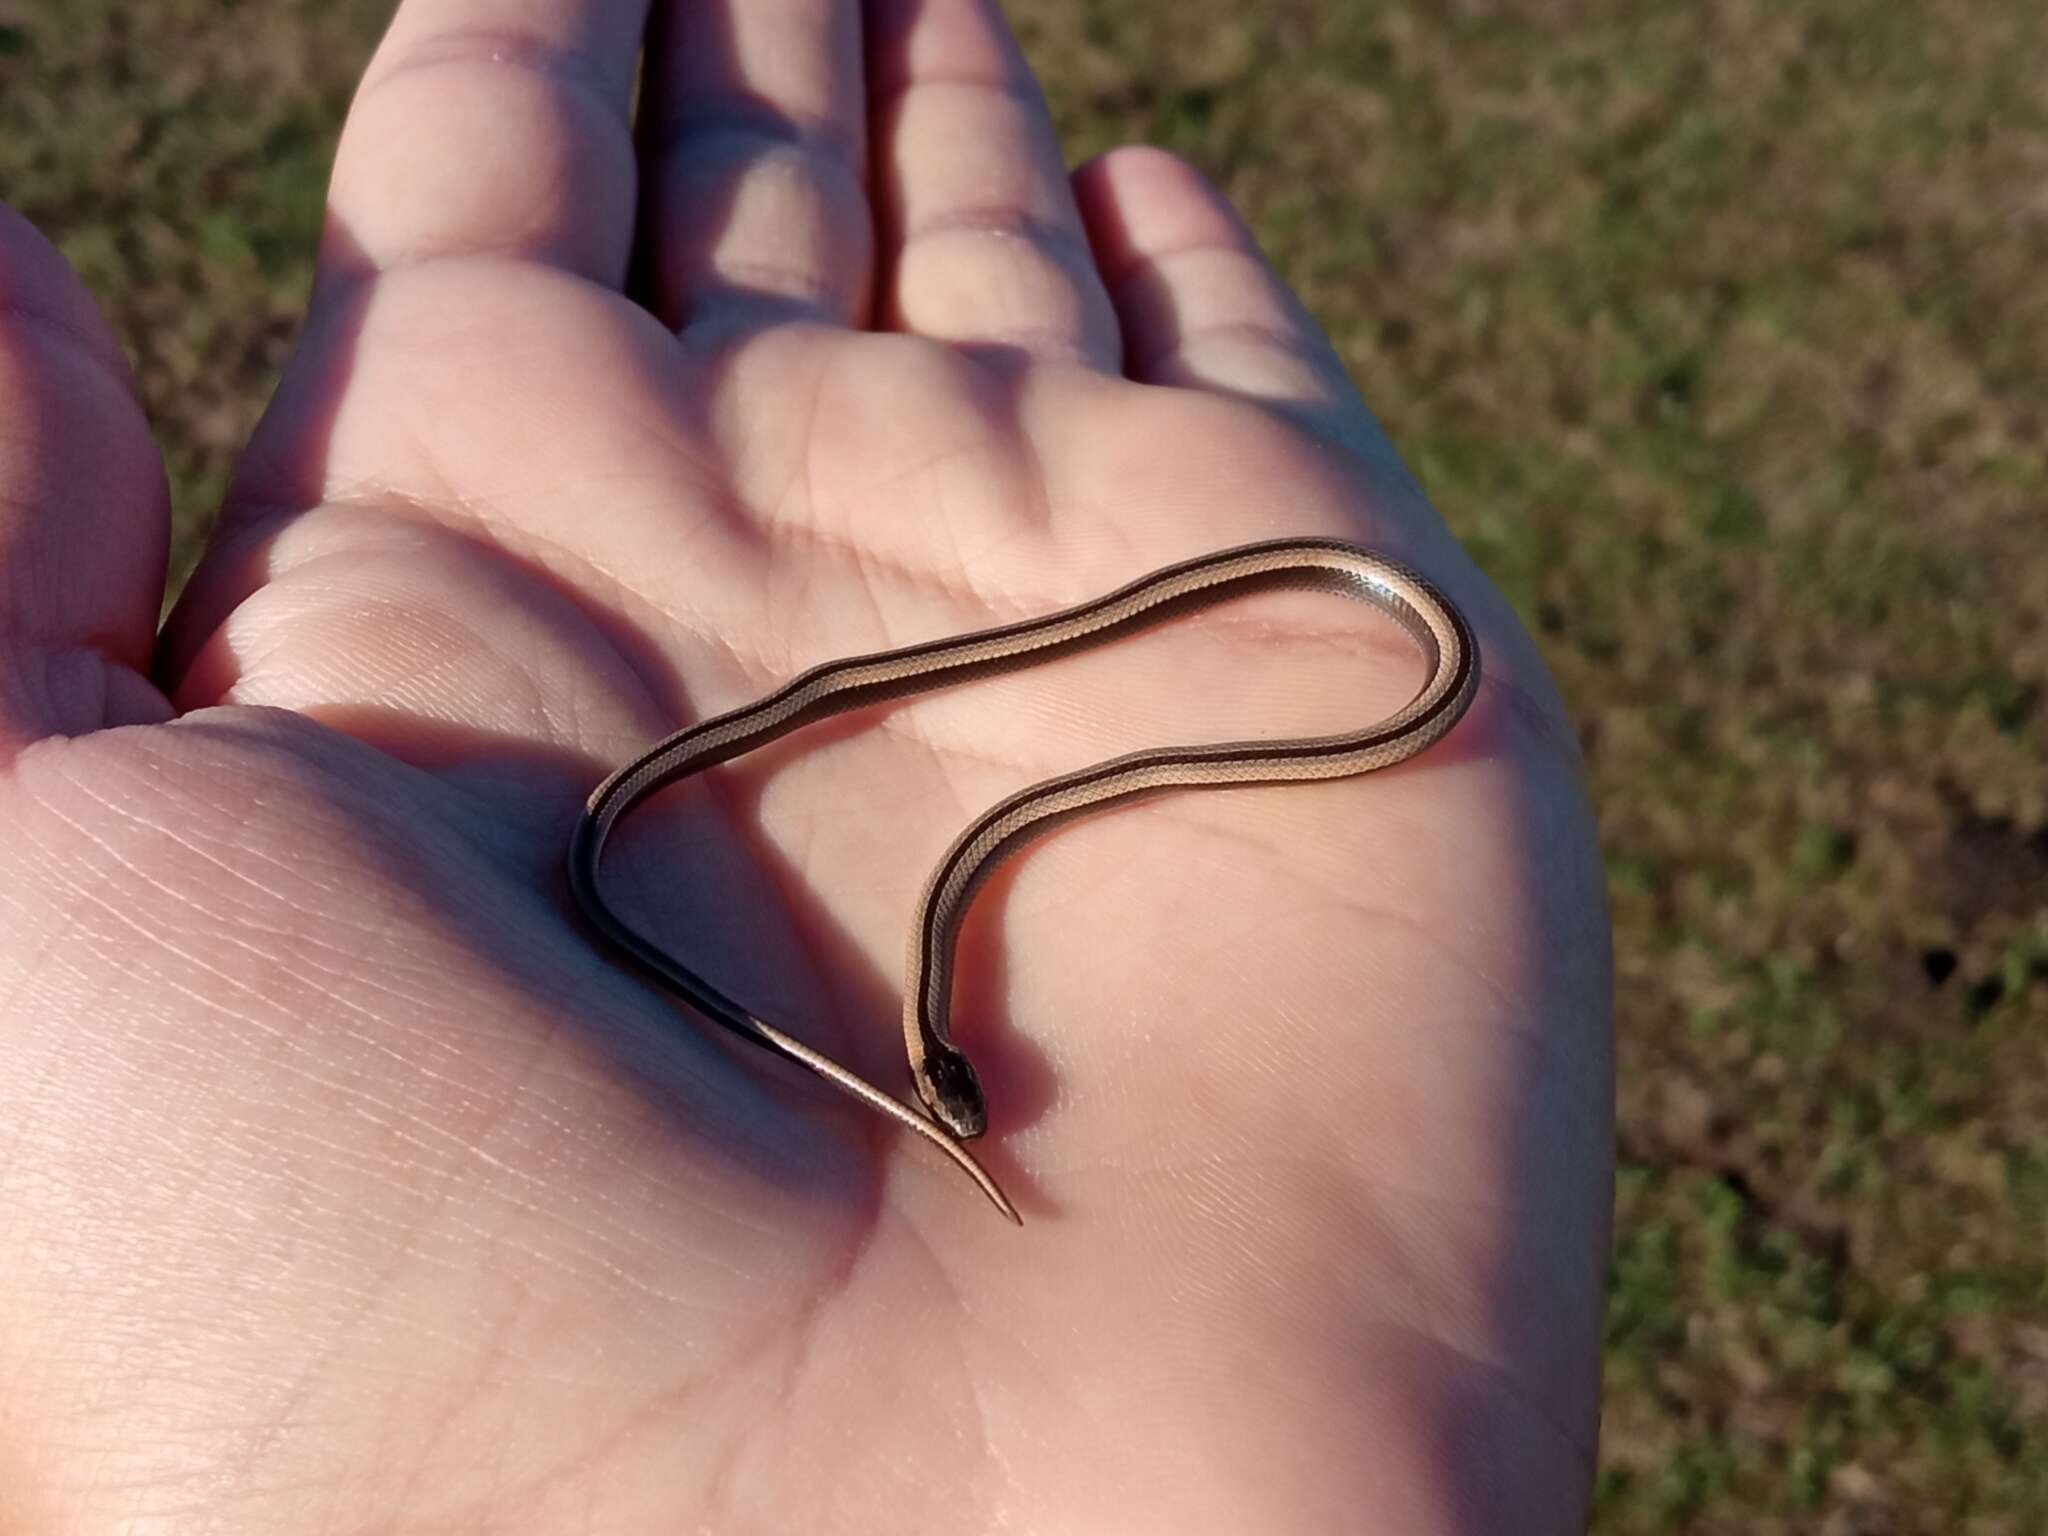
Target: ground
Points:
(1720, 332)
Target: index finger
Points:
(492, 127)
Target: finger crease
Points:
(72, 341)
(728, 280)
(576, 70)
(752, 123)
(884, 99)
(1153, 264)
(1253, 333)
(1008, 225)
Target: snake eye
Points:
(952, 1093)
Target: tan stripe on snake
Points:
(944, 1079)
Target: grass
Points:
(1720, 333)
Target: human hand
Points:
(346, 1184)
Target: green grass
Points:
(1721, 333)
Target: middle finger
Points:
(754, 163)
(982, 243)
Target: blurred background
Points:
(1720, 331)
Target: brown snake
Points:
(944, 1080)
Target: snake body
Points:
(941, 1073)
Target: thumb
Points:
(84, 512)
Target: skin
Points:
(346, 1185)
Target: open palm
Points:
(347, 1185)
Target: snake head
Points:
(950, 1090)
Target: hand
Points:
(346, 1184)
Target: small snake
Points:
(942, 1075)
